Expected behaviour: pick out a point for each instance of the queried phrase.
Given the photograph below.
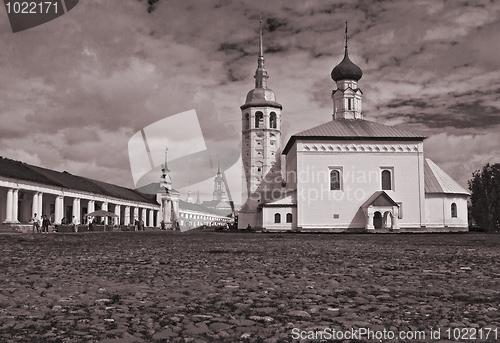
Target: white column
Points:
(40, 204)
(15, 209)
(34, 208)
(91, 206)
(158, 218)
(105, 208)
(59, 210)
(75, 211)
(79, 210)
(126, 220)
(165, 208)
(151, 218)
(136, 213)
(369, 220)
(395, 218)
(143, 216)
(117, 212)
(10, 199)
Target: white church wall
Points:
(439, 213)
(291, 168)
(319, 207)
(269, 218)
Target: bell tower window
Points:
(259, 120)
(272, 121)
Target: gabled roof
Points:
(352, 129)
(23, 171)
(438, 182)
(379, 198)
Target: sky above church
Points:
(75, 90)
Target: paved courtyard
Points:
(248, 287)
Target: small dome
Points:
(346, 70)
(259, 95)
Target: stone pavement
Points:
(243, 287)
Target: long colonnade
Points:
(24, 199)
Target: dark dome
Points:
(346, 70)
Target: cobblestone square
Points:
(248, 287)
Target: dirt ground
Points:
(249, 287)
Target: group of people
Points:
(42, 222)
(139, 225)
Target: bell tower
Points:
(219, 186)
(261, 127)
(347, 97)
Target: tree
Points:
(485, 197)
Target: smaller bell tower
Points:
(347, 97)
(219, 186)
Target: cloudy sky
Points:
(75, 90)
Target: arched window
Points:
(288, 217)
(453, 210)
(277, 218)
(272, 121)
(386, 180)
(334, 180)
(259, 120)
(247, 121)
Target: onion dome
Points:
(346, 70)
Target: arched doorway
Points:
(377, 220)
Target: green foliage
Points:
(485, 197)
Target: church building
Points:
(348, 174)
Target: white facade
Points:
(360, 167)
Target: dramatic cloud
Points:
(73, 91)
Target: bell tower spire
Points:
(261, 73)
(166, 180)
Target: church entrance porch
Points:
(381, 213)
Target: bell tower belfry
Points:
(261, 127)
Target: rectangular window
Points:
(336, 216)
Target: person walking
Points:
(45, 224)
(74, 223)
(36, 223)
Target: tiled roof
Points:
(353, 129)
(22, 171)
(437, 181)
